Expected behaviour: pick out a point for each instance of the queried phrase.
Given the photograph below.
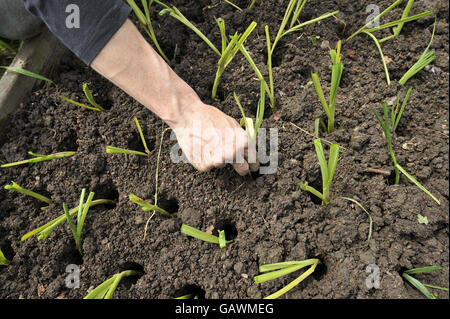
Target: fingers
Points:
(251, 156)
(241, 168)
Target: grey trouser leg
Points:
(16, 23)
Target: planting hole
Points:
(321, 269)
(317, 185)
(70, 255)
(135, 143)
(39, 204)
(168, 204)
(193, 290)
(220, 94)
(6, 248)
(68, 141)
(229, 228)
(106, 190)
(131, 280)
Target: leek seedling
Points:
(336, 74)
(252, 130)
(3, 260)
(87, 92)
(146, 206)
(396, 113)
(108, 287)
(398, 24)
(233, 5)
(396, 30)
(15, 187)
(26, 73)
(251, 4)
(81, 216)
(146, 23)
(193, 232)
(175, 13)
(420, 286)
(386, 126)
(45, 230)
(228, 49)
(327, 170)
(284, 268)
(40, 158)
(426, 58)
(292, 13)
(118, 150)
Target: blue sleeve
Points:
(84, 26)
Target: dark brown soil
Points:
(272, 219)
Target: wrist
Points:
(181, 109)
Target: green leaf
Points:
(412, 179)
(26, 73)
(222, 240)
(15, 187)
(422, 270)
(80, 104)
(90, 97)
(284, 268)
(45, 230)
(388, 80)
(193, 232)
(40, 158)
(118, 150)
(146, 206)
(3, 260)
(418, 285)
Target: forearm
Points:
(130, 62)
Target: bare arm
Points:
(130, 62)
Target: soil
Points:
(268, 216)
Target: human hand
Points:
(209, 138)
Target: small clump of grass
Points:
(292, 13)
(407, 275)
(83, 209)
(386, 126)
(426, 58)
(106, 289)
(229, 47)
(44, 231)
(40, 158)
(398, 24)
(336, 74)
(193, 232)
(327, 169)
(277, 270)
(247, 122)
